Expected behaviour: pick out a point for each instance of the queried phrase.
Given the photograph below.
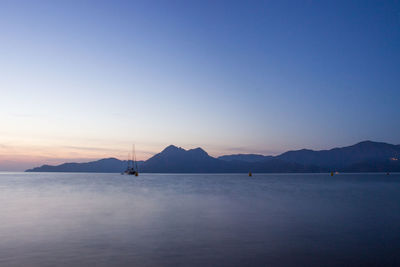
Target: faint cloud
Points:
(89, 148)
(243, 149)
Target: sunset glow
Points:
(85, 80)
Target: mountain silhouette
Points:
(367, 156)
(245, 157)
(176, 159)
(111, 165)
(339, 158)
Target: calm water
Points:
(60, 219)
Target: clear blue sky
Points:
(86, 79)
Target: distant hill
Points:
(340, 158)
(245, 157)
(111, 165)
(365, 156)
(176, 159)
(374, 166)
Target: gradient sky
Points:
(84, 80)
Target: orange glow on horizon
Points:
(22, 157)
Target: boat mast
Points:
(133, 156)
(134, 162)
(137, 170)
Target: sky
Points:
(83, 80)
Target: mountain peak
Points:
(198, 151)
(368, 143)
(109, 159)
(172, 148)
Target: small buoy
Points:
(250, 174)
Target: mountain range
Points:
(366, 156)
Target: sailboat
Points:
(132, 170)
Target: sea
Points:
(98, 219)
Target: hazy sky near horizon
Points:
(86, 79)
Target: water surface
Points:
(72, 219)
